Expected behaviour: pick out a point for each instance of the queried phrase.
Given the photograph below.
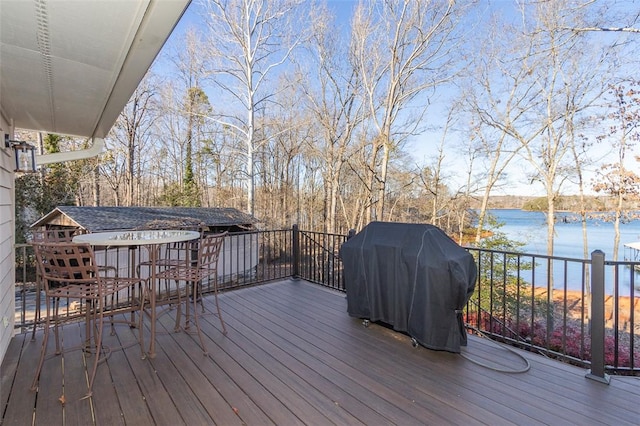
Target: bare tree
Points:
(497, 96)
(195, 107)
(112, 169)
(355, 196)
(568, 69)
(287, 130)
(616, 179)
(403, 50)
(250, 40)
(626, 20)
(129, 137)
(331, 97)
(185, 106)
(433, 179)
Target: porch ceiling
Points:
(69, 67)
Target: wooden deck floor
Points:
(294, 356)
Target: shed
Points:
(239, 254)
(102, 219)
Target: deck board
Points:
(20, 401)
(308, 379)
(293, 356)
(76, 379)
(132, 403)
(400, 382)
(9, 367)
(365, 386)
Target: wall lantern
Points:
(24, 155)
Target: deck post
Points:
(597, 371)
(296, 251)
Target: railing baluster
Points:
(296, 251)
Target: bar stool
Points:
(69, 271)
(205, 267)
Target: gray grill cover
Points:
(412, 277)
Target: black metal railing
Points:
(254, 257)
(581, 311)
(575, 310)
(319, 258)
(26, 288)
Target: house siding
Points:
(7, 239)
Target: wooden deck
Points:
(294, 356)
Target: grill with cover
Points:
(412, 277)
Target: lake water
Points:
(531, 228)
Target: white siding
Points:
(7, 256)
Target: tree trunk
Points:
(616, 225)
(96, 185)
(384, 169)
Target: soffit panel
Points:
(69, 67)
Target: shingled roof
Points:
(98, 219)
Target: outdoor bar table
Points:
(151, 240)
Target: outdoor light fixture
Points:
(24, 155)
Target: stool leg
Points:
(37, 314)
(56, 310)
(215, 296)
(176, 327)
(141, 320)
(196, 319)
(45, 342)
(98, 343)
